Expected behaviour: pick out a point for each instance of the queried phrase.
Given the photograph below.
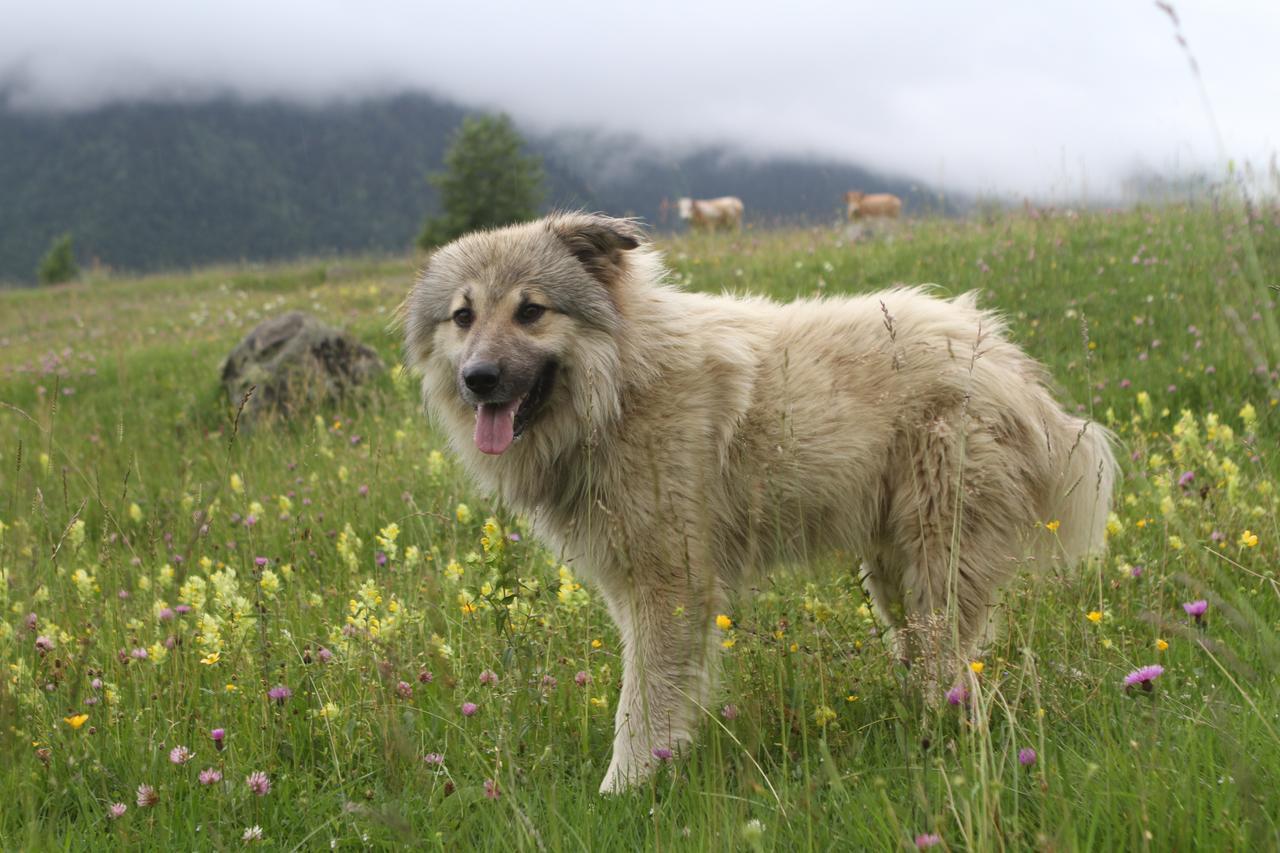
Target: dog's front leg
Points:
(666, 675)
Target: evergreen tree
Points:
(59, 263)
(488, 181)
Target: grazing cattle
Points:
(712, 213)
(863, 206)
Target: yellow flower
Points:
(76, 720)
(595, 644)
(1249, 539)
(1053, 526)
(724, 623)
(823, 715)
(977, 666)
(728, 642)
(211, 659)
(237, 485)
(135, 513)
(230, 688)
(1094, 616)
(1161, 645)
(599, 702)
(795, 647)
(462, 513)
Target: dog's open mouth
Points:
(500, 424)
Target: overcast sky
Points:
(1014, 97)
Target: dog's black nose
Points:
(481, 378)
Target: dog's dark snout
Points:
(481, 378)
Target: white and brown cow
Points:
(712, 213)
(875, 206)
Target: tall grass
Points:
(123, 481)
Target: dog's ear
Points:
(598, 242)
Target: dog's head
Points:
(511, 327)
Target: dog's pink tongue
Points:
(495, 426)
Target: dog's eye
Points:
(529, 313)
(463, 318)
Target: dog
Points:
(671, 444)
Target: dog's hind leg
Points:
(668, 657)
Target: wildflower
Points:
(1186, 478)
(44, 644)
(75, 720)
(549, 681)
(117, 811)
(662, 753)
(1161, 645)
(488, 677)
(723, 622)
(1094, 616)
(147, 797)
(823, 715)
(252, 833)
(135, 513)
(977, 666)
(753, 831)
(463, 513)
(230, 688)
(218, 735)
(927, 840)
(258, 783)
(211, 658)
(582, 678)
(1248, 539)
(958, 695)
(1026, 756)
(1053, 526)
(491, 789)
(324, 655)
(279, 694)
(404, 690)
(1196, 609)
(237, 484)
(729, 712)
(210, 776)
(139, 654)
(425, 676)
(469, 709)
(180, 755)
(435, 759)
(595, 644)
(1144, 676)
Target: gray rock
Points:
(295, 361)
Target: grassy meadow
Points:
(329, 603)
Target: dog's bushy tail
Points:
(1081, 500)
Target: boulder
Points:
(295, 361)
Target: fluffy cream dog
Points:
(671, 444)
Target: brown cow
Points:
(860, 205)
(710, 214)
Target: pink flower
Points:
(117, 811)
(1144, 676)
(1186, 478)
(1196, 608)
(491, 789)
(435, 759)
(469, 708)
(729, 712)
(180, 755)
(218, 735)
(582, 678)
(279, 693)
(258, 783)
(404, 690)
(44, 644)
(139, 654)
(147, 796)
(324, 655)
(425, 677)
(489, 677)
(662, 753)
(210, 776)
(1026, 756)
(958, 695)
(927, 840)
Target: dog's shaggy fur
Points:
(670, 444)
